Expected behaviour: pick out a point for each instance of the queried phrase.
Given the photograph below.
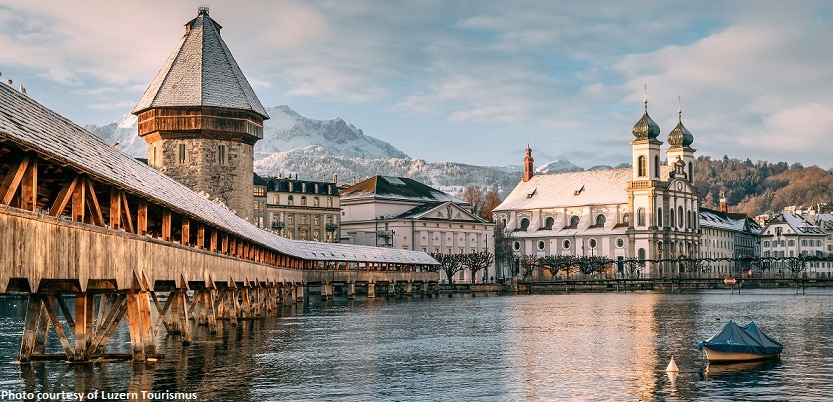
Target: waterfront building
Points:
(259, 206)
(789, 235)
(403, 213)
(649, 211)
(201, 118)
(727, 235)
(303, 209)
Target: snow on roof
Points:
(727, 221)
(201, 72)
(798, 224)
(396, 188)
(592, 187)
(36, 128)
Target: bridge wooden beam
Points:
(166, 224)
(115, 208)
(127, 221)
(93, 205)
(79, 201)
(63, 198)
(185, 235)
(201, 236)
(142, 218)
(10, 184)
(29, 187)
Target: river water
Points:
(602, 346)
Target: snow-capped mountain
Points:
(321, 149)
(558, 166)
(287, 130)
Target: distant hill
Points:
(761, 187)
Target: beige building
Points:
(402, 213)
(727, 235)
(302, 209)
(789, 235)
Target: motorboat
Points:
(735, 343)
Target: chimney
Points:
(528, 164)
(724, 207)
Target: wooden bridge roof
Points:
(35, 128)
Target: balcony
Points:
(278, 225)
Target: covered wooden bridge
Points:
(81, 220)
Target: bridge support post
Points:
(35, 329)
(351, 290)
(178, 317)
(299, 293)
(371, 290)
(83, 328)
(326, 291)
(407, 288)
(140, 325)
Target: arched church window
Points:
(626, 219)
(659, 217)
(549, 222)
(680, 216)
(524, 223)
(690, 172)
(600, 220)
(641, 168)
(641, 254)
(656, 166)
(290, 200)
(640, 217)
(303, 200)
(671, 222)
(574, 221)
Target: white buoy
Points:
(672, 367)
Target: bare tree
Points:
(528, 264)
(450, 263)
(476, 262)
(474, 196)
(503, 248)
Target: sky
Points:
(468, 81)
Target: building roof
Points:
(397, 189)
(736, 222)
(592, 187)
(798, 224)
(201, 72)
(35, 128)
(287, 185)
(440, 210)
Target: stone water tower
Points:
(201, 118)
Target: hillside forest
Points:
(756, 188)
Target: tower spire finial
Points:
(645, 86)
(679, 108)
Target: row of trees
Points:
(454, 263)
(631, 267)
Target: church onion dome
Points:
(680, 137)
(646, 128)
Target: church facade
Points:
(647, 212)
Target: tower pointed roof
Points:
(201, 72)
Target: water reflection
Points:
(532, 347)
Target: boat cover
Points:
(742, 339)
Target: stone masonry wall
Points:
(230, 181)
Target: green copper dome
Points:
(680, 136)
(646, 128)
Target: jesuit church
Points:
(649, 211)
